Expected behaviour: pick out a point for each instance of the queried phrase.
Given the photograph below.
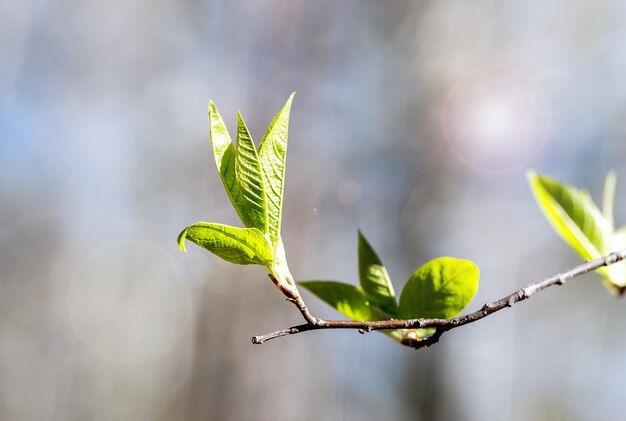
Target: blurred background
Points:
(414, 121)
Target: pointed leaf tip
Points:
(374, 278)
(249, 177)
(181, 240)
(272, 155)
(608, 198)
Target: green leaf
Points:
(249, 178)
(272, 155)
(573, 215)
(441, 288)
(375, 279)
(243, 246)
(345, 298)
(224, 153)
(608, 197)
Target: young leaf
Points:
(375, 279)
(243, 246)
(224, 153)
(272, 154)
(345, 298)
(248, 173)
(573, 215)
(608, 198)
(441, 288)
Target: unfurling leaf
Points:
(345, 298)
(572, 214)
(440, 289)
(272, 155)
(224, 153)
(578, 220)
(249, 178)
(608, 198)
(243, 246)
(375, 279)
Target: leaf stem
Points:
(441, 325)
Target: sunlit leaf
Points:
(573, 214)
(608, 198)
(243, 246)
(348, 299)
(441, 288)
(272, 155)
(249, 178)
(224, 153)
(375, 279)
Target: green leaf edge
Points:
(557, 216)
(308, 285)
(265, 261)
(247, 188)
(223, 147)
(386, 303)
(274, 227)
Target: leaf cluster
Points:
(439, 289)
(253, 180)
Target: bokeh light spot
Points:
(496, 119)
(127, 302)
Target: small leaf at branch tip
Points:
(575, 217)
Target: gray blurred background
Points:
(414, 121)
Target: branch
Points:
(441, 325)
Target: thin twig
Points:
(441, 325)
(294, 296)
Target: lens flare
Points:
(496, 119)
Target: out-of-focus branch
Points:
(441, 325)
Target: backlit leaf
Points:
(441, 288)
(375, 279)
(272, 155)
(224, 153)
(608, 198)
(243, 246)
(573, 214)
(348, 299)
(249, 178)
